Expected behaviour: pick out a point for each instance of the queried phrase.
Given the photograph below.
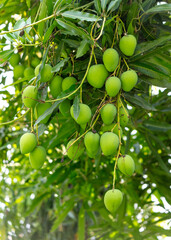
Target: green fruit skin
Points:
(84, 115)
(128, 44)
(28, 96)
(92, 142)
(108, 113)
(28, 142)
(14, 59)
(29, 72)
(126, 165)
(113, 86)
(18, 71)
(56, 86)
(36, 70)
(109, 143)
(97, 75)
(124, 119)
(41, 108)
(113, 128)
(110, 59)
(37, 157)
(64, 108)
(113, 199)
(129, 80)
(67, 83)
(35, 61)
(76, 150)
(46, 73)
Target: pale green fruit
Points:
(40, 108)
(18, 71)
(56, 86)
(113, 86)
(35, 61)
(29, 72)
(124, 117)
(129, 80)
(110, 59)
(29, 96)
(14, 59)
(67, 83)
(76, 150)
(64, 107)
(113, 199)
(108, 113)
(128, 44)
(109, 143)
(28, 142)
(84, 115)
(46, 73)
(97, 75)
(92, 142)
(37, 157)
(126, 165)
(36, 70)
(113, 128)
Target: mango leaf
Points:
(59, 65)
(97, 6)
(49, 31)
(42, 14)
(104, 4)
(42, 64)
(76, 106)
(81, 224)
(28, 3)
(113, 5)
(67, 206)
(5, 55)
(157, 126)
(82, 49)
(83, 16)
(156, 82)
(159, 8)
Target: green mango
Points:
(37, 157)
(84, 114)
(28, 142)
(113, 199)
(109, 143)
(128, 44)
(113, 86)
(110, 59)
(97, 75)
(126, 165)
(108, 113)
(29, 96)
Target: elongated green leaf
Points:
(72, 28)
(97, 6)
(42, 64)
(49, 32)
(159, 8)
(67, 206)
(104, 4)
(81, 224)
(76, 106)
(28, 3)
(83, 16)
(17, 82)
(156, 82)
(113, 5)
(43, 13)
(157, 126)
(59, 65)
(5, 55)
(83, 48)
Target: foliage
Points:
(64, 199)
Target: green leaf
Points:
(83, 16)
(42, 14)
(67, 206)
(5, 55)
(156, 82)
(113, 5)
(28, 3)
(159, 8)
(157, 126)
(59, 65)
(104, 4)
(83, 48)
(42, 64)
(81, 224)
(72, 28)
(49, 31)
(97, 6)
(76, 106)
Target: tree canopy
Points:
(65, 198)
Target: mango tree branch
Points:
(14, 120)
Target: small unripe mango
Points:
(29, 96)
(126, 165)
(92, 142)
(67, 83)
(109, 143)
(39, 109)
(18, 71)
(64, 107)
(113, 199)
(29, 72)
(84, 115)
(14, 59)
(124, 117)
(108, 113)
(97, 75)
(36, 70)
(35, 61)
(37, 157)
(56, 86)
(113, 86)
(129, 80)
(46, 73)
(110, 59)
(128, 44)
(76, 150)
(28, 142)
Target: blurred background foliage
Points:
(64, 199)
